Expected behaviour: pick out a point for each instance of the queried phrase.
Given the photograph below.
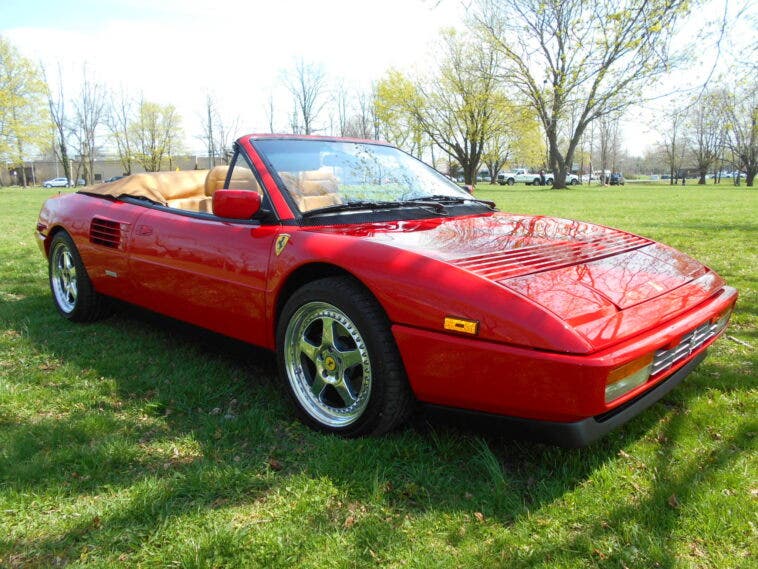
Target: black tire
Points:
(73, 293)
(511, 181)
(350, 381)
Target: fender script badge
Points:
(281, 242)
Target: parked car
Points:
(113, 179)
(616, 179)
(379, 283)
(532, 178)
(56, 183)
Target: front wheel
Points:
(338, 361)
(73, 293)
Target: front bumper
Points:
(568, 434)
(548, 388)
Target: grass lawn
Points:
(139, 441)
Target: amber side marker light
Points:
(628, 376)
(462, 325)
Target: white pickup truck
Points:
(531, 178)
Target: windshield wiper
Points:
(441, 199)
(358, 205)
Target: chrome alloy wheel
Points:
(63, 277)
(327, 364)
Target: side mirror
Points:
(469, 189)
(236, 204)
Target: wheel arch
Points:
(55, 230)
(305, 274)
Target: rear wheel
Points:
(338, 361)
(511, 181)
(73, 294)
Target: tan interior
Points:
(192, 190)
(312, 189)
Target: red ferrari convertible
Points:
(379, 283)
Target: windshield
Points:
(319, 174)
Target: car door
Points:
(203, 269)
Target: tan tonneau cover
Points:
(159, 187)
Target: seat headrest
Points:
(215, 179)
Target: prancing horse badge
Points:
(281, 242)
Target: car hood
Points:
(586, 274)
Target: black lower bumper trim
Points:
(575, 434)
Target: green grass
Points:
(139, 441)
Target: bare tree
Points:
(675, 145)
(591, 56)
(341, 102)
(270, 113)
(307, 84)
(217, 135)
(89, 111)
(705, 122)
(57, 105)
(742, 131)
(608, 145)
(118, 119)
(209, 131)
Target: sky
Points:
(180, 51)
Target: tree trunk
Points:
(701, 181)
(750, 177)
(64, 160)
(469, 176)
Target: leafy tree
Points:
(579, 56)
(24, 116)
(396, 98)
(156, 132)
(459, 107)
(519, 142)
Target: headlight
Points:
(625, 378)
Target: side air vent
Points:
(106, 233)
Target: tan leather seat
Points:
(215, 179)
(312, 189)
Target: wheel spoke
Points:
(344, 392)
(317, 387)
(351, 358)
(308, 349)
(327, 335)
